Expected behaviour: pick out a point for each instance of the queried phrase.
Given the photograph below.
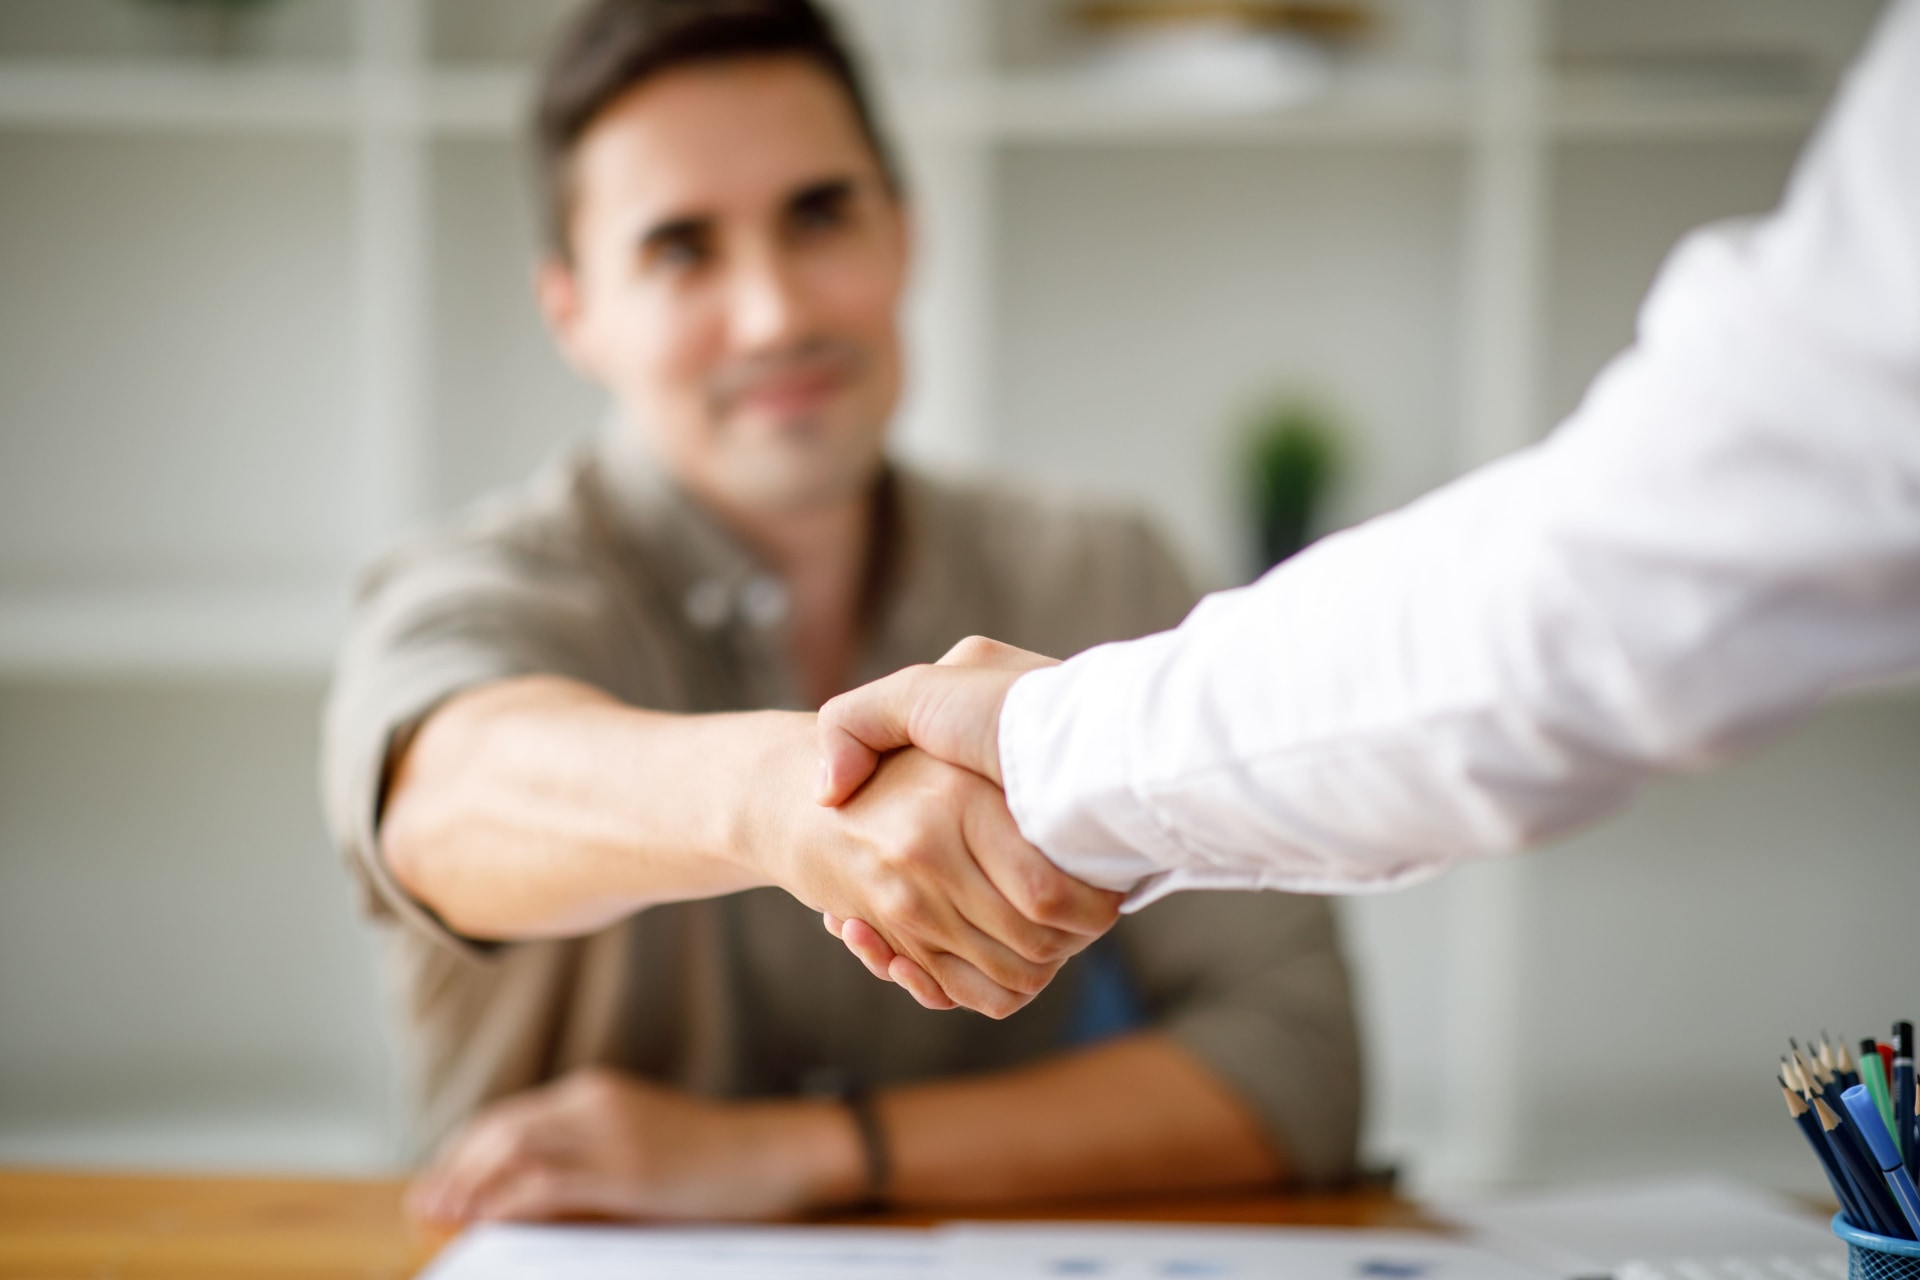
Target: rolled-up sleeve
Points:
(1256, 987)
(444, 616)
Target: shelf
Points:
(1064, 108)
(188, 99)
(283, 631)
(1578, 113)
(1042, 108)
(1037, 108)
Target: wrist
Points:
(818, 1147)
(776, 753)
(988, 748)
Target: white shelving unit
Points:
(392, 103)
(1472, 108)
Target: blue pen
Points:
(1903, 1097)
(1866, 1114)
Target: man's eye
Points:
(675, 251)
(681, 254)
(816, 215)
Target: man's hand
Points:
(950, 710)
(964, 911)
(602, 1144)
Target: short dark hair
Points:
(611, 46)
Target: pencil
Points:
(1836, 1177)
(1870, 1187)
(1844, 1070)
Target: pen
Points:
(1883, 1215)
(1903, 1097)
(1880, 1144)
(1873, 1074)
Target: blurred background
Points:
(263, 304)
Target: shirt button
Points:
(708, 604)
(763, 601)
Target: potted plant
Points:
(1293, 460)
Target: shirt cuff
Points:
(1063, 762)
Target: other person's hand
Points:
(602, 1144)
(949, 709)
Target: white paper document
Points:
(1602, 1229)
(671, 1253)
(1214, 1253)
(983, 1252)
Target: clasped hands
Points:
(986, 931)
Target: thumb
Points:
(856, 727)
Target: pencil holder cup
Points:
(1872, 1257)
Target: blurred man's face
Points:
(737, 266)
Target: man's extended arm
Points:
(539, 807)
(1726, 533)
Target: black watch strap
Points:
(873, 1141)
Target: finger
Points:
(941, 902)
(919, 984)
(869, 947)
(856, 727)
(541, 1193)
(1043, 896)
(488, 1151)
(959, 912)
(971, 989)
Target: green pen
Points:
(1873, 1074)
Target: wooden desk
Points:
(59, 1225)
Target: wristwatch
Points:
(845, 1088)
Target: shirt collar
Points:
(719, 582)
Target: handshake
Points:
(939, 893)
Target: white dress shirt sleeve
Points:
(1725, 533)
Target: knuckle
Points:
(1033, 979)
(897, 903)
(972, 649)
(1050, 900)
(516, 1143)
(592, 1085)
(1045, 947)
(1004, 1004)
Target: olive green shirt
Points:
(602, 571)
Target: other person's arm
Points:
(1726, 533)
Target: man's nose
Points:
(769, 306)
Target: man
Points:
(556, 755)
(1725, 535)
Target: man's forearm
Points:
(540, 807)
(1134, 1115)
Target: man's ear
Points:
(557, 290)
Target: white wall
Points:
(182, 977)
(1152, 298)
